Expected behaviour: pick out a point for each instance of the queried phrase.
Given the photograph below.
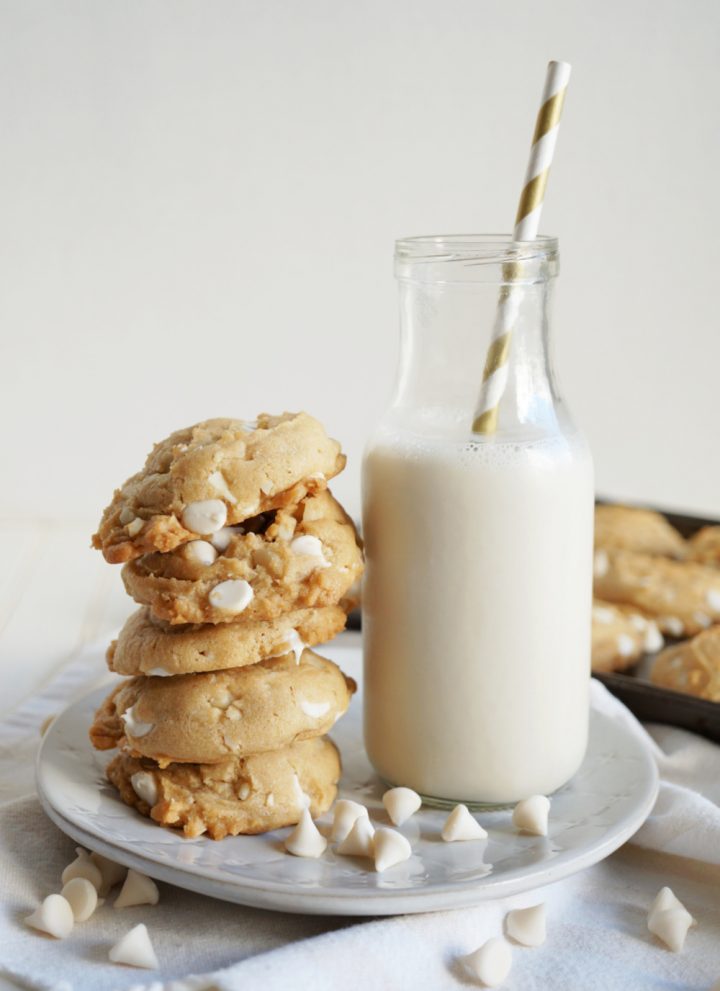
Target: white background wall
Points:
(198, 202)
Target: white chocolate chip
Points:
(112, 873)
(221, 539)
(491, 962)
(158, 673)
(135, 526)
(200, 552)
(527, 925)
(303, 800)
(126, 515)
(134, 726)
(654, 639)
(316, 710)
(713, 599)
(360, 841)
(400, 804)
(135, 949)
(389, 848)
(460, 825)
(267, 487)
(308, 545)
(291, 643)
(625, 645)
(204, 517)
(345, 813)
(601, 564)
(305, 840)
(671, 926)
(54, 916)
(531, 815)
(144, 786)
(249, 425)
(602, 615)
(82, 898)
(233, 595)
(83, 866)
(244, 790)
(673, 625)
(219, 483)
(137, 890)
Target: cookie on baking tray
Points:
(620, 636)
(640, 530)
(704, 546)
(241, 795)
(206, 718)
(683, 597)
(214, 473)
(151, 647)
(692, 667)
(304, 555)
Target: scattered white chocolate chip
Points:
(305, 840)
(491, 962)
(135, 949)
(135, 526)
(308, 545)
(133, 725)
(360, 841)
(345, 813)
(233, 595)
(460, 825)
(316, 710)
(83, 866)
(531, 815)
(527, 925)
(205, 516)
(221, 539)
(400, 804)
(144, 786)
(713, 599)
(126, 515)
(82, 898)
(219, 483)
(112, 873)
(601, 564)
(200, 552)
(669, 920)
(54, 916)
(137, 890)
(665, 899)
(389, 848)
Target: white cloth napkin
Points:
(597, 934)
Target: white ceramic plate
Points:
(603, 805)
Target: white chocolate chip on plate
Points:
(360, 841)
(531, 815)
(305, 840)
(460, 825)
(389, 848)
(345, 813)
(400, 804)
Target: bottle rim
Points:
(481, 248)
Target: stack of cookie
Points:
(241, 560)
(649, 582)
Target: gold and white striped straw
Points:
(527, 221)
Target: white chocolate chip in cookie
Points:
(531, 815)
(137, 890)
(54, 917)
(135, 526)
(157, 673)
(233, 595)
(654, 639)
(674, 626)
(713, 599)
(134, 726)
(219, 483)
(401, 803)
(82, 898)
(625, 645)
(306, 840)
(316, 710)
(601, 564)
(460, 825)
(389, 848)
(491, 962)
(200, 552)
(308, 545)
(83, 866)
(527, 925)
(204, 517)
(222, 537)
(135, 949)
(144, 786)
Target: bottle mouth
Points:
(468, 258)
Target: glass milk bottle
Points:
(477, 596)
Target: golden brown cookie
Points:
(682, 597)
(641, 530)
(206, 718)
(704, 546)
(620, 636)
(241, 795)
(692, 667)
(216, 473)
(306, 555)
(151, 647)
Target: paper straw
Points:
(527, 221)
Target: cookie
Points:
(215, 473)
(206, 718)
(620, 636)
(681, 596)
(305, 555)
(241, 795)
(147, 646)
(704, 546)
(692, 667)
(640, 530)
